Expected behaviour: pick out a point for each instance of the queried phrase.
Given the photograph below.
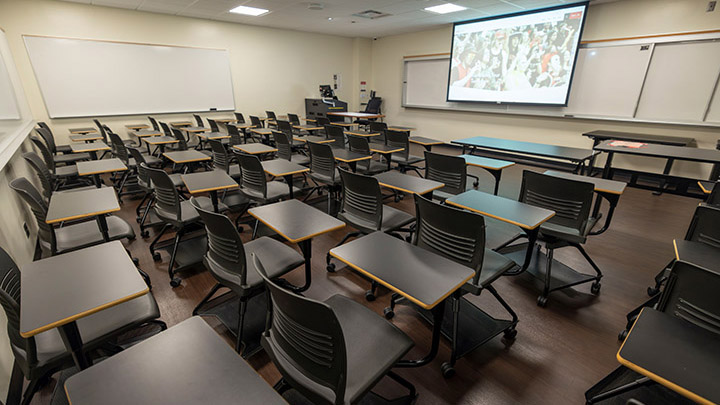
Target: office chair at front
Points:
(449, 170)
(459, 235)
(372, 107)
(571, 200)
(322, 349)
(404, 159)
(228, 260)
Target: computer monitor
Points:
(326, 91)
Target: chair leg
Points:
(30, 391)
(448, 369)
(207, 297)
(255, 229)
(140, 207)
(241, 324)
(157, 238)
(542, 299)
(15, 389)
(174, 281)
(589, 260)
(405, 383)
(143, 232)
(328, 258)
(281, 386)
(619, 390)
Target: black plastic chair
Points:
(239, 117)
(271, 119)
(571, 200)
(222, 160)
(255, 184)
(293, 119)
(69, 237)
(236, 138)
(337, 134)
(38, 357)
(59, 159)
(154, 123)
(50, 183)
(372, 107)
(360, 145)
(321, 122)
(59, 148)
(404, 160)
(449, 170)
(322, 349)
(362, 208)
(62, 175)
(323, 171)
(286, 127)
(377, 126)
(166, 128)
(198, 121)
(228, 260)
(284, 147)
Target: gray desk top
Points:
(89, 147)
(382, 148)
(100, 166)
(423, 277)
(362, 133)
(528, 148)
(345, 155)
(186, 156)
(225, 120)
(400, 128)
(194, 129)
(486, 163)
(282, 167)
(650, 138)
(212, 180)
(186, 364)
(313, 138)
(214, 135)
(181, 123)
(81, 204)
(601, 185)
(421, 140)
(255, 148)
(146, 132)
(665, 151)
(504, 209)
(85, 138)
(262, 131)
(241, 125)
(137, 126)
(67, 287)
(295, 221)
(697, 253)
(706, 186)
(160, 140)
(407, 183)
(307, 127)
(685, 359)
(84, 130)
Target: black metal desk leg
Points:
(496, 174)
(214, 198)
(666, 171)
(608, 166)
(613, 200)
(288, 180)
(102, 223)
(438, 314)
(353, 166)
(93, 155)
(96, 179)
(73, 342)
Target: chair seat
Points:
(409, 160)
(235, 199)
(85, 234)
(368, 360)
(300, 159)
(326, 179)
(66, 171)
(188, 213)
(151, 160)
(562, 232)
(494, 265)
(177, 180)
(97, 327)
(71, 157)
(63, 148)
(374, 167)
(275, 191)
(235, 172)
(393, 219)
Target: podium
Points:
(318, 107)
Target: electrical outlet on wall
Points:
(711, 6)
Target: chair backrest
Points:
(450, 170)
(322, 160)
(235, 137)
(166, 128)
(143, 177)
(101, 129)
(362, 200)
(46, 178)
(570, 199)
(361, 145)
(225, 248)
(154, 123)
(42, 124)
(284, 125)
(45, 152)
(271, 115)
(282, 143)
(198, 120)
(182, 144)
(337, 134)
(307, 335)
(166, 196)
(714, 197)
(118, 148)
(47, 136)
(221, 157)
(39, 208)
(398, 139)
(453, 233)
(255, 121)
(294, 119)
(377, 126)
(373, 106)
(253, 175)
(691, 295)
(705, 226)
(322, 121)
(213, 125)
(239, 117)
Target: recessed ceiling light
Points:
(245, 10)
(445, 8)
(329, 18)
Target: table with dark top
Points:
(144, 133)
(264, 132)
(493, 166)
(309, 128)
(255, 148)
(351, 158)
(675, 353)
(400, 128)
(186, 158)
(350, 114)
(358, 132)
(97, 167)
(423, 277)
(82, 131)
(59, 290)
(385, 151)
(313, 139)
(706, 186)
(159, 142)
(136, 127)
(91, 147)
(298, 223)
(180, 124)
(86, 138)
(426, 143)
(408, 184)
(285, 169)
(83, 204)
(210, 181)
(697, 253)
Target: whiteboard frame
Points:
(128, 43)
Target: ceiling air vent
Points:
(371, 14)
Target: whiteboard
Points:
(8, 102)
(81, 78)
(680, 81)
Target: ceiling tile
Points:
(131, 4)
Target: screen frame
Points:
(519, 13)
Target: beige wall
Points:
(608, 20)
(271, 68)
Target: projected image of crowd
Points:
(517, 58)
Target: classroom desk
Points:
(419, 275)
(186, 364)
(426, 143)
(313, 139)
(358, 132)
(59, 290)
(213, 135)
(400, 128)
(179, 124)
(285, 169)
(225, 120)
(344, 124)
(533, 151)
(144, 133)
(90, 147)
(611, 190)
(527, 217)
(407, 183)
(97, 167)
(83, 204)
(185, 157)
(264, 132)
(697, 253)
(706, 186)
(492, 166)
(309, 128)
(210, 181)
(82, 131)
(351, 158)
(136, 127)
(159, 142)
(85, 138)
(385, 151)
(675, 353)
(298, 223)
(255, 148)
(600, 136)
(357, 115)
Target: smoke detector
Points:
(370, 14)
(316, 6)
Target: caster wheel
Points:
(401, 196)
(652, 291)
(510, 334)
(138, 219)
(542, 301)
(408, 239)
(389, 313)
(369, 296)
(447, 370)
(330, 268)
(320, 192)
(622, 335)
(132, 237)
(145, 234)
(175, 282)
(397, 199)
(240, 229)
(595, 288)
(156, 256)
(476, 184)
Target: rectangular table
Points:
(492, 166)
(186, 364)
(407, 183)
(309, 128)
(186, 156)
(426, 143)
(97, 167)
(179, 124)
(706, 186)
(313, 138)
(91, 147)
(82, 131)
(210, 181)
(424, 278)
(358, 132)
(59, 290)
(285, 169)
(143, 133)
(351, 158)
(86, 138)
(350, 114)
(83, 204)
(509, 149)
(264, 132)
(298, 223)
(255, 148)
(159, 142)
(136, 127)
(697, 253)
(400, 128)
